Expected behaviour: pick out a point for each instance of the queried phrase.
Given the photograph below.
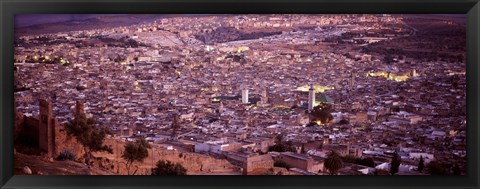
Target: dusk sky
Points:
(34, 19)
(23, 20)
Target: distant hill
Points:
(87, 24)
(457, 18)
(90, 22)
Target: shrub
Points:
(66, 155)
(165, 167)
(280, 163)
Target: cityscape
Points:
(251, 94)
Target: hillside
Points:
(42, 166)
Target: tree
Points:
(395, 163)
(302, 150)
(380, 172)
(435, 168)
(281, 163)
(165, 167)
(366, 162)
(343, 122)
(88, 134)
(388, 59)
(333, 162)
(322, 113)
(281, 146)
(421, 164)
(135, 151)
(175, 125)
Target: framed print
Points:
(251, 94)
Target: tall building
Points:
(414, 73)
(311, 98)
(46, 128)
(264, 97)
(244, 94)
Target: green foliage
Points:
(280, 163)
(388, 59)
(279, 138)
(360, 161)
(135, 151)
(349, 159)
(66, 155)
(322, 112)
(294, 107)
(168, 168)
(175, 125)
(343, 122)
(311, 124)
(282, 146)
(421, 164)
(333, 163)
(366, 162)
(88, 134)
(381, 172)
(435, 168)
(395, 163)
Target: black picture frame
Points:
(8, 8)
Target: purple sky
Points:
(22, 20)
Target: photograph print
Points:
(240, 94)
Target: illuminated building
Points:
(244, 95)
(414, 73)
(311, 98)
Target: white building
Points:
(244, 95)
(311, 98)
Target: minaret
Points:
(221, 109)
(311, 98)
(264, 97)
(244, 94)
(79, 108)
(414, 73)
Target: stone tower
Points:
(264, 97)
(244, 94)
(414, 73)
(79, 108)
(46, 128)
(311, 98)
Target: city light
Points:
(243, 94)
(318, 88)
(389, 76)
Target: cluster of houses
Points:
(230, 100)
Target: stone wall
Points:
(304, 163)
(19, 120)
(196, 163)
(46, 128)
(26, 132)
(64, 142)
(46, 134)
(253, 163)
